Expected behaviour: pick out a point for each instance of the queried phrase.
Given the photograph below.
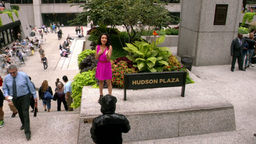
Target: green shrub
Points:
(9, 12)
(243, 30)
(80, 80)
(10, 15)
(16, 13)
(248, 17)
(150, 32)
(172, 31)
(84, 54)
(15, 7)
(1, 23)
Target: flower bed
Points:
(144, 57)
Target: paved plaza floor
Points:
(62, 127)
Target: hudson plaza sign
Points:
(155, 80)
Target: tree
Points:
(125, 12)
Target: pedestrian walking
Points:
(20, 57)
(1, 109)
(60, 96)
(237, 52)
(41, 52)
(18, 85)
(68, 92)
(44, 61)
(46, 101)
(32, 101)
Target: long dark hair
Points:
(108, 40)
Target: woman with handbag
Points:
(45, 93)
(60, 96)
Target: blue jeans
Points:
(245, 58)
(47, 102)
(251, 51)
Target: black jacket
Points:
(41, 93)
(108, 128)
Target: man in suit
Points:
(237, 47)
(18, 85)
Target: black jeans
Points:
(45, 65)
(22, 105)
(59, 104)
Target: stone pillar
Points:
(199, 37)
(37, 13)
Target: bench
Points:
(155, 80)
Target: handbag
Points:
(55, 96)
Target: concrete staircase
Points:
(47, 127)
(70, 63)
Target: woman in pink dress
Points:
(103, 71)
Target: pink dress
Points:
(103, 71)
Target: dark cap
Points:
(108, 104)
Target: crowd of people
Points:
(20, 92)
(243, 50)
(65, 47)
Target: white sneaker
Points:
(252, 65)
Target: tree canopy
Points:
(124, 12)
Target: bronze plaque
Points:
(220, 14)
(87, 121)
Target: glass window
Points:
(64, 1)
(9, 35)
(1, 39)
(57, 1)
(18, 1)
(47, 1)
(12, 1)
(30, 1)
(61, 18)
(5, 38)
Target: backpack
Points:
(47, 95)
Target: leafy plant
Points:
(80, 80)
(149, 32)
(89, 63)
(15, 7)
(1, 23)
(243, 30)
(172, 31)
(148, 57)
(175, 65)
(10, 15)
(248, 17)
(84, 54)
(129, 63)
(8, 12)
(16, 13)
(118, 70)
